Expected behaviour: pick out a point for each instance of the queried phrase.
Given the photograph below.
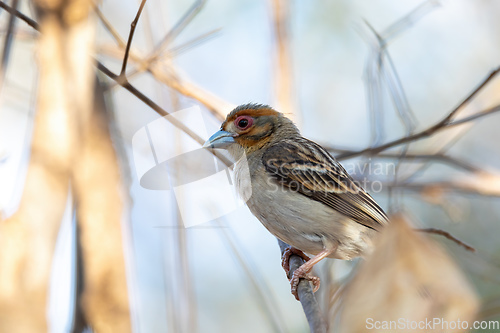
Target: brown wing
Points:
(306, 167)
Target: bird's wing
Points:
(307, 168)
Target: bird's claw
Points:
(302, 274)
(285, 258)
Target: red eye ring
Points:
(243, 122)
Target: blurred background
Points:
(358, 74)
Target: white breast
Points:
(297, 220)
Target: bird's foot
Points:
(303, 273)
(285, 258)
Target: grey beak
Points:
(220, 139)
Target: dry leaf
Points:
(408, 284)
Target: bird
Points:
(297, 190)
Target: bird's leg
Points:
(285, 258)
(303, 272)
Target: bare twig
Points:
(32, 23)
(194, 42)
(441, 125)
(447, 235)
(162, 112)
(444, 123)
(317, 323)
(130, 37)
(481, 183)
(170, 75)
(215, 104)
(8, 43)
(283, 77)
(98, 175)
(64, 110)
(410, 19)
(344, 154)
(439, 157)
(262, 291)
(177, 29)
(109, 27)
(475, 116)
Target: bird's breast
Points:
(296, 219)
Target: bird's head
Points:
(250, 127)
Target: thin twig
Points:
(109, 27)
(8, 43)
(32, 23)
(475, 116)
(158, 109)
(194, 42)
(146, 65)
(444, 123)
(410, 19)
(310, 305)
(262, 290)
(130, 37)
(439, 157)
(283, 74)
(448, 186)
(177, 29)
(146, 100)
(344, 153)
(447, 235)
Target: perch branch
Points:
(310, 305)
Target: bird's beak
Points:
(220, 139)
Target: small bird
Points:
(299, 192)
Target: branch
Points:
(447, 235)
(436, 157)
(32, 23)
(169, 75)
(175, 80)
(122, 81)
(162, 112)
(444, 123)
(64, 106)
(482, 183)
(108, 26)
(130, 37)
(177, 29)
(102, 208)
(283, 75)
(261, 290)
(284, 96)
(317, 323)
(8, 43)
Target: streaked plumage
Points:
(299, 192)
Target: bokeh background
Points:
(197, 279)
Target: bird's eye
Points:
(243, 122)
